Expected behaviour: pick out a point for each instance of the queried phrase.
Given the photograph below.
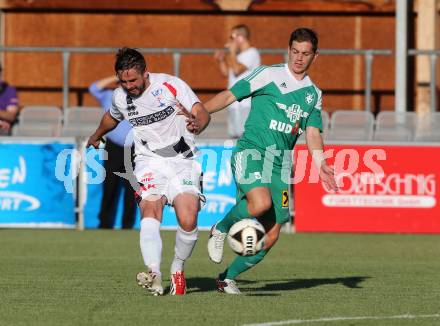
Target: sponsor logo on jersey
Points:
(152, 118)
(285, 199)
(293, 112)
(131, 108)
(283, 85)
(187, 182)
(148, 186)
(147, 177)
(285, 127)
(309, 98)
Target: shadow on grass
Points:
(351, 282)
(206, 284)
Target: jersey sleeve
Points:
(252, 84)
(182, 92)
(315, 117)
(114, 111)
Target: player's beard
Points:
(139, 90)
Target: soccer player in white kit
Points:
(165, 114)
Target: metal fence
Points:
(368, 54)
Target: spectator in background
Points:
(237, 64)
(8, 105)
(114, 146)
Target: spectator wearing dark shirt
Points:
(8, 104)
(115, 142)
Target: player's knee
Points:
(187, 222)
(188, 226)
(259, 207)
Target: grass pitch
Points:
(65, 277)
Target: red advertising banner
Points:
(383, 189)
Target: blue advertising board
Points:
(31, 195)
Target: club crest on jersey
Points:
(309, 98)
(157, 93)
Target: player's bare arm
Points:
(108, 123)
(220, 101)
(315, 145)
(105, 82)
(237, 67)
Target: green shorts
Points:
(250, 171)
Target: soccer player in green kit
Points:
(285, 103)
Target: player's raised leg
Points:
(186, 206)
(256, 203)
(226, 280)
(151, 243)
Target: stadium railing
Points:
(177, 53)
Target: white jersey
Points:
(250, 58)
(157, 129)
(239, 111)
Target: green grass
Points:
(61, 277)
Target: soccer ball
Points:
(246, 237)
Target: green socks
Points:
(242, 264)
(238, 212)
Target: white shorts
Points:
(169, 178)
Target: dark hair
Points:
(304, 35)
(128, 58)
(242, 29)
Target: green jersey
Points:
(282, 107)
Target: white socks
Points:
(151, 243)
(185, 242)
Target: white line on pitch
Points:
(330, 319)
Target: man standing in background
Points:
(115, 142)
(237, 64)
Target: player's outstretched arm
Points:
(315, 145)
(107, 124)
(220, 101)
